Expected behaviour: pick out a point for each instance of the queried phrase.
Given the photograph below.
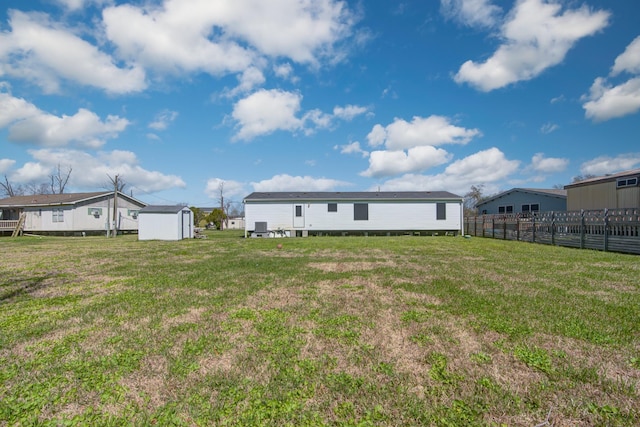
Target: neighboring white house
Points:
(72, 213)
(173, 222)
(317, 213)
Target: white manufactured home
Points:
(341, 213)
(70, 213)
(162, 222)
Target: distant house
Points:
(70, 214)
(615, 191)
(172, 222)
(524, 201)
(235, 223)
(317, 213)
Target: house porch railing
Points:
(8, 225)
(615, 230)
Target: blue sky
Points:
(179, 96)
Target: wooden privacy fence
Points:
(615, 230)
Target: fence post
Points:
(518, 227)
(533, 228)
(493, 227)
(606, 230)
(504, 229)
(553, 228)
(582, 227)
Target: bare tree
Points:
(473, 197)
(59, 179)
(9, 190)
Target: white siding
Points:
(165, 226)
(395, 216)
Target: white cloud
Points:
(433, 130)
(45, 53)
(540, 163)
(416, 159)
(230, 190)
(247, 81)
(536, 36)
(606, 101)
(74, 5)
(604, 164)
(352, 148)
(473, 13)
(487, 167)
(349, 112)
(92, 171)
(297, 183)
(267, 111)
(15, 109)
(29, 124)
(163, 119)
(226, 36)
(6, 165)
(285, 71)
(629, 60)
(549, 127)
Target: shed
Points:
(366, 212)
(524, 201)
(162, 222)
(616, 191)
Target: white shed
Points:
(161, 222)
(320, 213)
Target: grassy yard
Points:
(344, 331)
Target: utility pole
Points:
(114, 181)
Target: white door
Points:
(186, 224)
(298, 216)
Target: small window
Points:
(441, 211)
(332, 207)
(627, 182)
(535, 207)
(360, 211)
(526, 208)
(58, 215)
(298, 210)
(505, 209)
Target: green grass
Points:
(335, 331)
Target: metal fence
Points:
(615, 230)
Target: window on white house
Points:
(58, 215)
(360, 211)
(441, 211)
(298, 210)
(332, 207)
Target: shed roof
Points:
(350, 195)
(162, 209)
(58, 199)
(605, 178)
(553, 192)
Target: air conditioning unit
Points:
(95, 213)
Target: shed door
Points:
(186, 224)
(298, 216)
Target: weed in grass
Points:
(634, 362)
(481, 357)
(534, 357)
(415, 316)
(421, 339)
(439, 371)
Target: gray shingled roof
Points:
(50, 199)
(561, 194)
(351, 195)
(605, 178)
(165, 209)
